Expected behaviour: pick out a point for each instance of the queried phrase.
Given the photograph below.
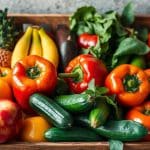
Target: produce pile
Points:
(86, 82)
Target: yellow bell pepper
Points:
(33, 129)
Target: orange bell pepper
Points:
(6, 74)
(141, 114)
(129, 83)
(5, 90)
(33, 129)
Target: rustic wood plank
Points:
(51, 19)
(72, 146)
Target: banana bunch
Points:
(35, 42)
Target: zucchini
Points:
(72, 134)
(48, 108)
(99, 115)
(75, 103)
(124, 130)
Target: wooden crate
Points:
(53, 20)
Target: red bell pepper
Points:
(86, 40)
(32, 74)
(81, 70)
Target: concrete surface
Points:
(69, 6)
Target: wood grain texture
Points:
(72, 146)
(53, 20)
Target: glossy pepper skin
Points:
(6, 74)
(87, 67)
(33, 129)
(87, 40)
(30, 75)
(129, 83)
(141, 114)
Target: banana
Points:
(22, 47)
(50, 51)
(36, 48)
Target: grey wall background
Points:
(69, 6)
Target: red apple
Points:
(10, 116)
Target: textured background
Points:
(69, 6)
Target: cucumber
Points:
(99, 115)
(124, 130)
(75, 103)
(48, 108)
(72, 134)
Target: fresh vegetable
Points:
(123, 130)
(129, 83)
(6, 74)
(5, 90)
(32, 74)
(141, 114)
(115, 145)
(50, 110)
(99, 114)
(10, 120)
(75, 103)
(139, 61)
(86, 40)
(33, 129)
(81, 70)
(73, 134)
(66, 44)
(116, 37)
(147, 71)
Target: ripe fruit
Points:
(10, 115)
(8, 36)
(22, 47)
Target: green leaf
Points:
(128, 16)
(143, 34)
(115, 145)
(83, 13)
(129, 46)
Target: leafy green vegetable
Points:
(115, 145)
(129, 46)
(142, 34)
(116, 37)
(86, 19)
(128, 14)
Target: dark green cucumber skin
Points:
(124, 130)
(71, 135)
(48, 108)
(99, 115)
(75, 103)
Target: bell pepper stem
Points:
(68, 75)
